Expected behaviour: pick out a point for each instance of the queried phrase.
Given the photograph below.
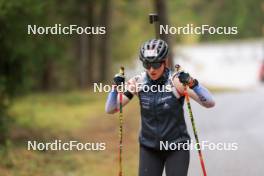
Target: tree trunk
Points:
(161, 8)
(91, 43)
(105, 54)
(47, 81)
(86, 47)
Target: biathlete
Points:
(162, 114)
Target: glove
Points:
(119, 79)
(186, 79)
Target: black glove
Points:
(186, 79)
(119, 79)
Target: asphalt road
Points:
(238, 117)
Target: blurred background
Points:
(46, 82)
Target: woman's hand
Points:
(119, 79)
(186, 79)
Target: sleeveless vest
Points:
(162, 115)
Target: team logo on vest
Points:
(166, 106)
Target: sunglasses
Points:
(155, 65)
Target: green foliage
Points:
(56, 112)
(24, 58)
(68, 116)
(129, 28)
(246, 15)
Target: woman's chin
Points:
(154, 78)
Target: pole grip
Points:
(122, 71)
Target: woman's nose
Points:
(151, 69)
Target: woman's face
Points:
(155, 74)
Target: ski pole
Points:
(178, 69)
(194, 130)
(121, 72)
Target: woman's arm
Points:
(112, 102)
(202, 95)
(198, 93)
